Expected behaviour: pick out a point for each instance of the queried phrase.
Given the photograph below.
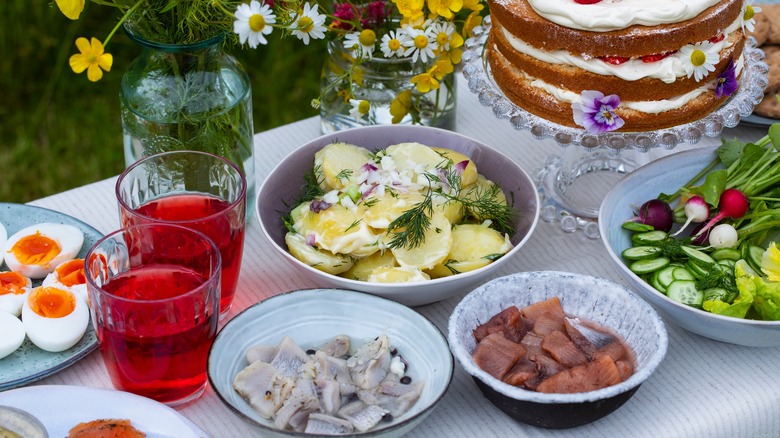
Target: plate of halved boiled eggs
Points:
(44, 310)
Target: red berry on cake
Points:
(614, 60)
(657, 56)
(586, 2)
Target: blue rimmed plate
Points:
(29, 363)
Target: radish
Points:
(696, 210)
(733, 204)
(655, 213)
(723, 236)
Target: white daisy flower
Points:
(359, 108)
(441, 32)
(253, 22)
(419, 45)
(748, 16)
(699, 59)
(393, 43)
(361, 43)
(309, 23)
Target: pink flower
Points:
(596, 113)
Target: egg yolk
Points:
(51, 302)
(71, 272)
(12, 283)
(35, 249)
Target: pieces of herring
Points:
(289, 358)
(370, 363)
(336, 347)
(264, 353)
(303, 400)
(361, 415)
(261, 385)
(322, 424)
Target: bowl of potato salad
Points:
(414, 214)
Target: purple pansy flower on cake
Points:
(596, 112)
(726, 84)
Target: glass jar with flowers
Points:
(184, 91)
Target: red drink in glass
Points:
(196, 190)
(221, 224)
(154, 291)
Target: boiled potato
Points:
(385, 209)
(337, 165)
(323, 260)
(438, 241)
(363, 267)
(397, 274)
(473, 246)
(340, 230)
(469, 175)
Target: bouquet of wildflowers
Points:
(430, 32)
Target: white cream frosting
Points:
(666, 70)
(609, 15)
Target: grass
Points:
(60, 131)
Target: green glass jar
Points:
(188, 96)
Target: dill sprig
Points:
(410, 227)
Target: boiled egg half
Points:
(36, 250)
(54, 319)
(13, 291)
(69, 276)
(11, 333)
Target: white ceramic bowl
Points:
(666, 175)
(285, 180)
(312, 316)
(594, 299)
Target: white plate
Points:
(60, 407)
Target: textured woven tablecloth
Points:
(703, 388)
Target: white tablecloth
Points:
(703, 388)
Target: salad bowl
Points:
(666, 175)
(282, 186)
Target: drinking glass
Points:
(154, 295)
(194, 189)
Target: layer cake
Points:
(667, 62)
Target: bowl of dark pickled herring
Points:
(345, 265)
(554, 349)
(330, 362)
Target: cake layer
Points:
(520, 19)
(576, 79)
(527, 94)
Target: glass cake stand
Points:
(572, 185)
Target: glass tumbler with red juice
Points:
(154, 297)
(194, 189)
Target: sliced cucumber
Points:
(726, 254)
(681, 273)
(696, 254)
(654, 281)
(665, 276)
(685, 292)
(753, 255)
(636, 226)
(718, 293)
(641, 252)
(648, 238)
(728, 263)
(646, 266)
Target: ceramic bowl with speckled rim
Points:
(311, 317)
(284, 182)
(594, 299)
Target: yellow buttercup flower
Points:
(445, 8)
(401, 105)
(473, 5)
(425, 82)
(441, 68)
(472, 21)
(410, 8)
(71, 8)
(92, 59)
(357, 75)
(770, 262)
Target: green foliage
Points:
(61, 131)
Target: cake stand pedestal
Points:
(573, 184)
